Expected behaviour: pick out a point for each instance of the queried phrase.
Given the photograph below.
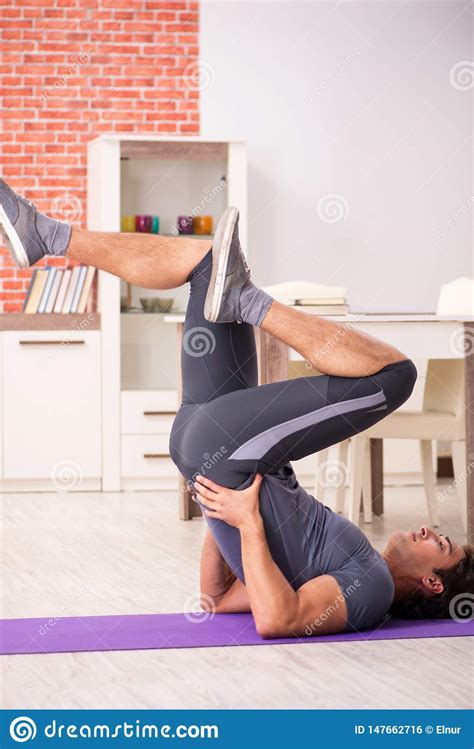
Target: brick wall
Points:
(72, 69)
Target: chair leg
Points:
(367, 485)
(341, 489)
(429, 480)
(319, 479)
(458, 450)
(358, 451)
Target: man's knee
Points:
(399, 382)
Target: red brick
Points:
(188, 128)
(12, 307)
(74, 70)
(12, 285)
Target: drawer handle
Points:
(158, 413)
(50, 343)
(156, 455)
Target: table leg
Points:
(187, 508)
(469, 387)
(272, 356)
(376, 463)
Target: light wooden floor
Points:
(91, 553)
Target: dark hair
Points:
(457, 580)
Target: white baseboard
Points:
(46, 485)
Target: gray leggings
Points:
(228, 428)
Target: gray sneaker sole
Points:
(13, 241)
(220, 258)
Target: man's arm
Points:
(318, 607)
(221, 591)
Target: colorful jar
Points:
(203, 224)
(185, 224)
(128, 223)
(143, 223)
(155, 224)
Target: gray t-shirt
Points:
(307, 539)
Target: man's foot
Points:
(230, 271)
(28, 234)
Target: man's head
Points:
(429, 570)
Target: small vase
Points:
(203, 225)
(185, 225)
(143, 223)
(128, 223)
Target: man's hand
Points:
(236, 507)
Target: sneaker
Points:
(229, 273)
(28, 234)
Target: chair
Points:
(441, 418)
(332, 473)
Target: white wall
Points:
(354, 99)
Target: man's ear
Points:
(432, 584)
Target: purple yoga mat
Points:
(194, 630)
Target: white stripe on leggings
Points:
(258, 446)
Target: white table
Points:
(418, 336)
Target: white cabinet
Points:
(52, 408)
(147, 417)
(128, 174)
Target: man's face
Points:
(417, 553)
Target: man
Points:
(270, 547)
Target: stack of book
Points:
(311, 297)
(56, 290)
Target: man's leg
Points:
(328, 346)
(147, 260)
(262, 428)
(216, 359)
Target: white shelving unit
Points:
(141, 174)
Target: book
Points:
(58, 306)
(30, 286)
(54, 291)
(86, 290)
(306, 290)
(78, 290)
(37, 285)
(75, 273)
(320, 300)
(324, 309)
(47, 290)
